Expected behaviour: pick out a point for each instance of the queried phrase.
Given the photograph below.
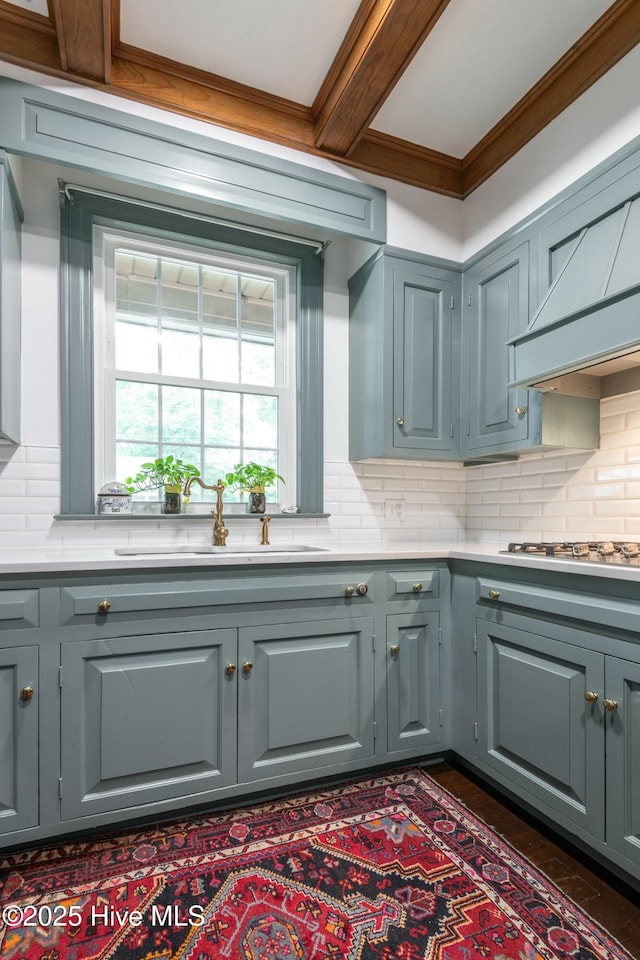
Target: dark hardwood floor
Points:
(600, 894)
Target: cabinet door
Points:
(535, 728)
(18, 738)
(413, 682)
(623, 757)
(146, 718)
(497, 309)
(305, 696)
(422, 341)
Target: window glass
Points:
(198, 360)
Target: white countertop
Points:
(35, 560)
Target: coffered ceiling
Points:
(435, 93)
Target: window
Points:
(187, 336)
(195, 357)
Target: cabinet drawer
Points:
(619, 614)
(126, 601)
(405, 584)
(18, 608)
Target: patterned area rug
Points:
(383, 868)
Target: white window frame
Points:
(105, 242)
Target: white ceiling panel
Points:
(284, 46)
(478, 61)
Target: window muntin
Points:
(195, 357)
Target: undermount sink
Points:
(238, 551)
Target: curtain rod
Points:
(67, 189)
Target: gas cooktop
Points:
(587, 551)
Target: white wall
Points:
(435, 495)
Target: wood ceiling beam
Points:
(407, 162)
(383, 39)
(84, 37)
(149, 78)
(610, 38)
(27, 38)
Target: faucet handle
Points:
(265, 531)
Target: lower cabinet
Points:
(18, 738)
(152, 718)
(305, 696)
(414, 708)
(623, 758)
(558, 709)
(535, 727)
(146, 718)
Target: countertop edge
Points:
(102, 559)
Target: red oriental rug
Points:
(383, 868)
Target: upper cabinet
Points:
(10, 304)
(403, 349)
(496, 308)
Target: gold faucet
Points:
(265, 532)
(220, 532)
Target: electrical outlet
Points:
(394, 509)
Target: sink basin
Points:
(238, 551)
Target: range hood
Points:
(584, 338)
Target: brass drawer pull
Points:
(394, 649)
(610, 705)
(590, 696)
(104, 606)
(247, 666)
(26, 693)
(417, 588)
(494, 594)
(230, 669)
(400, 421)
(349, 591)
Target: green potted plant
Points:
(252, 478)
(169, 472)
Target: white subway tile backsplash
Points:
(554, 495)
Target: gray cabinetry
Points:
(536, 730)
(18, 738)
(623, 758)
(146, 718)
(305, 696)
(496, 418)
(10, 304)
(554, 661)
(414, 714)
(403, 349)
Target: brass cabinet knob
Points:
(247, 666)
(26, 693)
(494, 594)
(230, 669)
(349, 591)
(521, 411)
(417, 587)
(362, 589)
(400, 421)
(394, 649)
(104, 606)
(590, 696)
(610, 705)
